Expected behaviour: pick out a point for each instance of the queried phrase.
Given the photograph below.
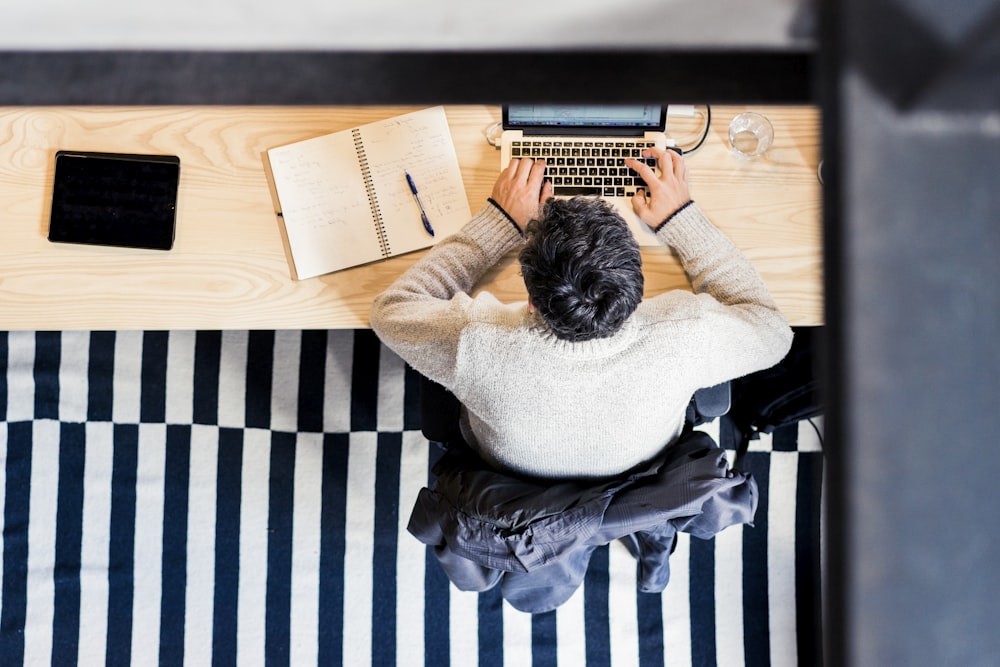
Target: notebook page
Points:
(419, 143)
(324, 204)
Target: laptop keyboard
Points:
(587, 167)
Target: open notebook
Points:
(343, 199)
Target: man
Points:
(585, 380)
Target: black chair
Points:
(709, 403)
(519, 521)
(439, 411)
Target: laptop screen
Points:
(609, 118)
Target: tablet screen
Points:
(114, 199)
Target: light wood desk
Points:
(228, 268)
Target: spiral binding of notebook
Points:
(366, 174)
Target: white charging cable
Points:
(493, 133)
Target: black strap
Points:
(741, 449)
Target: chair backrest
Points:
(439, 411)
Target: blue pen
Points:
(416, 195)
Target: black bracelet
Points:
(672, 216)
(506, 214)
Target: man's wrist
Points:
(670, 217)
(500, 208)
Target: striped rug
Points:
(240, 498)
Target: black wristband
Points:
(672, 216)
(505, 214)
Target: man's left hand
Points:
(521, 190)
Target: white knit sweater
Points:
(541, 406)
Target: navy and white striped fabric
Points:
(241, 498)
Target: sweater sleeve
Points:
(748, 332)
(421, 315)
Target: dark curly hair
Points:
(582, 268)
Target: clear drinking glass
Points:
(750, 134)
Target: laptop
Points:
(584, 147)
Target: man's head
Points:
(582, 268)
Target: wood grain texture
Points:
(228, 268)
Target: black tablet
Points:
(114, 199)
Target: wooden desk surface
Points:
(228, 268)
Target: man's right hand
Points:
(664, 194)
(521, 190)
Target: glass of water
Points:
(750, 134)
